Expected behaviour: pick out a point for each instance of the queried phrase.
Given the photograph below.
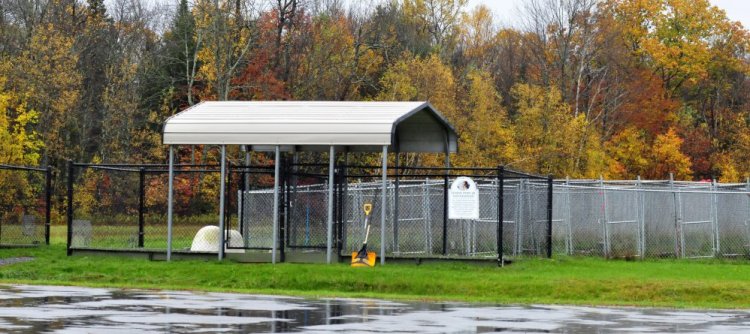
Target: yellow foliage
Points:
(486, 134)
(21, 144)
(628, 154)
(667, 157)
(550, 139)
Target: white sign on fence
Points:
(463, 199)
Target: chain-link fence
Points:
(124, 207)
(651, 219)
(416, 222)
(24, 205)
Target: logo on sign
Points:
(463, 199)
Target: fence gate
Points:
(696, 224)
(622, 223)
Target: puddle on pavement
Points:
(53, 309)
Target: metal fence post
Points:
(641, 217)
(48, 202)
(568, 216)
(500, 204)
(715, 217)
(519, 217)
(427, 215)
(445, 213)
(549, 216)
(141, 203)
(70, 206)
(604, 219)
(677, 217)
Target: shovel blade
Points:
(364, 261)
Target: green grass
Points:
(581, 281)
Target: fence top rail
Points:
(653, 182)
(508, 173)
(163, 168)
(85, 164)
(595, 188)
(29, 168)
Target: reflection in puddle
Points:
(51, 309)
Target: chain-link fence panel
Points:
(621, 223)
(195, 207)
(24, 205)
(656, 219)
(483, 231)
(105, 207)
(562, 233)
(511, 217)
(124, 207)
(361, 191)
(586, 214)
(308, 218)
(733, 218)
(250, 223)
(412, 234)
(533, 236)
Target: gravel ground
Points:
(12, 260)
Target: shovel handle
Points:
(367, 234)
(368, 208)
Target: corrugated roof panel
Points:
(296, 123)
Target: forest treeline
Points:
(579, 88)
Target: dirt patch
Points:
(12, 260)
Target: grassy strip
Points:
(587, 281)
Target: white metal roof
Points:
(313, 125)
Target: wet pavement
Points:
(52, 309)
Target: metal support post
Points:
(245, 226)
(331, 182)
(275, 234)
(396, 204)
(170, 205)
(222, 190)
(383, 204)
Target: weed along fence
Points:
(651, 219)
(25, 197)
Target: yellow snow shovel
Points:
(363, 258)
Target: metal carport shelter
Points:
(299, 126)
